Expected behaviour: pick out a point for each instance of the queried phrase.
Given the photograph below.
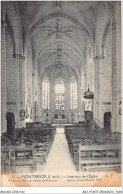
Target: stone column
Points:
(3, 78)
(38, 99)
(79, 101)
(83, 89)
(83, 111)
(52, 98)
(20, 87)
(96, 88)
(33, 99)
(97, 102)
(113, 76)
(67, 98)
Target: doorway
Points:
(107, 121)
(10, 123)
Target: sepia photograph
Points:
(61, 98)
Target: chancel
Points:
(61, 79)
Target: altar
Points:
(60, 121)
(59, 118)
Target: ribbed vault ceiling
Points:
(59, 31)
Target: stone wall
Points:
(99, 67)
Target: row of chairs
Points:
(80, 138)
(29, 153)
(25, 135)
(24, 156)
(99, 158)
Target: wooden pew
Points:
(39, 155)
(7, 159)
(99, 157)
(24, 157)
(27, 151)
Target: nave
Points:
(59, 158)
(72, 148)
(61, 66)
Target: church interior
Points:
(60, 86)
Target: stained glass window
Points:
(59, 94)
(73, 93)
(46, 93)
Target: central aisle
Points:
(59, 158)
